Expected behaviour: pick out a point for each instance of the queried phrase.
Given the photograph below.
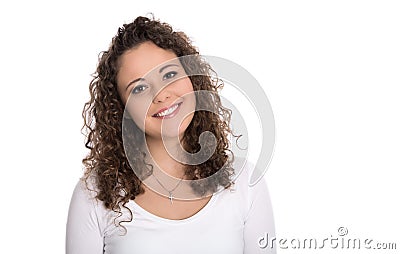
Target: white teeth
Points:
(168, 111)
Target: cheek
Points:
(186, 91)
(186, 85)
(137, 110)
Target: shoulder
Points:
(87, 224)
(243, 179)
(84, 202)
(84, 199)
(88, 213)
(85, 191)
(243, 194)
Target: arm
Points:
(259, 227)
(83, 230)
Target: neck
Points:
(163, 159)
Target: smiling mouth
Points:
(169, 112)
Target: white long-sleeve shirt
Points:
(231, 222)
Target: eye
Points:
(138, 89)
(169, 75)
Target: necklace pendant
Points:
(170, 197)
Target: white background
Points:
(330, 70)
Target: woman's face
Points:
(156, 91)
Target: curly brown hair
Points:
(114, 178)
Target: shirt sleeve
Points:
(259, 229)
(83, 234)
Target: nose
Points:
(162, 95)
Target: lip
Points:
(170, 115)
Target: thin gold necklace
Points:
(170, 192)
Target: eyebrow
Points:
(133, 81)
(142, 79)
(166, 66)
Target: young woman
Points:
(152, 183)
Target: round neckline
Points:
(202, 211)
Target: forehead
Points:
(137, 62)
